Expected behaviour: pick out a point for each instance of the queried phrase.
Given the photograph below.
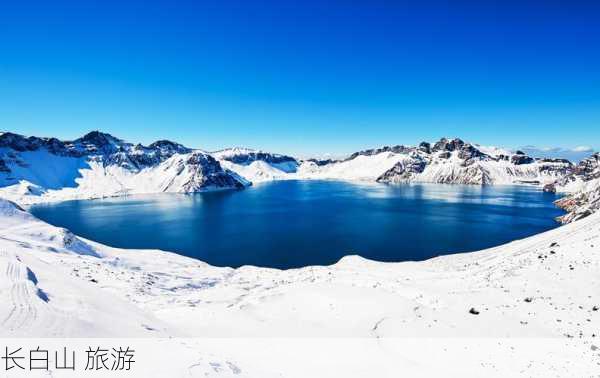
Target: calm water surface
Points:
(288, 224)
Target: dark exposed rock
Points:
(556, 168)
(520, 158)
(473, 311)
(166, 146)
(399, 149)
(249, 157)
(470, 154)
(20, 143)
(425, 147)
(321, 162)
(471, 175)
(448, 145)
(403, 170)
(207, 172)
(588, 168)
(98, 139)
(468, 151)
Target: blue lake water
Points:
(287, 224)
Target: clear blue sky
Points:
(304, 77)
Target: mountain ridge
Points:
(37, 169)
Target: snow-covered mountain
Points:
(99, 165)
(446, 161)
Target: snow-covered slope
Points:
(97, 165)
(41, 298)
(361, 167)
(255, 165)
(55, 284)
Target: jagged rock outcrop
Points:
(586, 170)
(469, 154)
(448, 145)
(399, 149)
(580, 204)
(168, 148)
(245, 156)
(258, 155)
(206, 172)
(322, 162)
(255, 165)
(425, 147)
(404, 170)
(520, 158)
(582, 186)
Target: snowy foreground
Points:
(528, 308)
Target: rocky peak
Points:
(98, 139)
(19, 142)
(168, 146)
(586, 170)
(448, 145)
(322, 162)
(425, 147)
(97, 142)
(589, 167)
(398, 149)
(205, 171)
(521, 158)
(470, 152)
(239, 156)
